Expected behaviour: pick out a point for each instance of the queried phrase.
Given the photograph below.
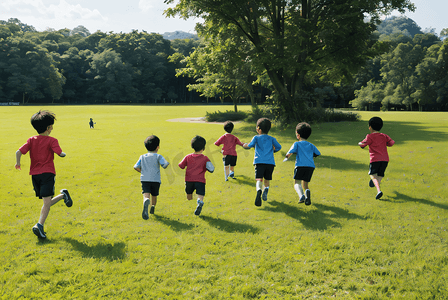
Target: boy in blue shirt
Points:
(149, 166)
(305, 153)
(265, 147)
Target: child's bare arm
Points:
(138, 170)
(18, 156)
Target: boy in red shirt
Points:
(42, 148)
(378, 143)
(197, 164)
(229, 142)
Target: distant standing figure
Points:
(379, 159)
(91, 123)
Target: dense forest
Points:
(76, 67)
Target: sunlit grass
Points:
(346, 244)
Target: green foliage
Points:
(295, 43)
(227, 115)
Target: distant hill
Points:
(178, 35)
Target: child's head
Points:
(228, 126)
(42, 119)
(304, 130)
(376, 123)
(198, 143)
(152, 142)
(264, 124)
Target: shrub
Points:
(228, 115)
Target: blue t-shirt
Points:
(305, 153)
(264, 149)
(149, 164)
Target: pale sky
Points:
(124, 16)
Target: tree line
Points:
(397, 66)
(74, 66)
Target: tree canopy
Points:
(296, 42)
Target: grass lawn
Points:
(345, 245)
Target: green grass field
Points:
(345, 245)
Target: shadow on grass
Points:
(332, 162)
(243, 179)
(318, 219)
(101, 250)
(173, 224)
(229, 226)
(350, 133)
(405, 198)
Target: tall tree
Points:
(298, 40)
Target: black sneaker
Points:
(151, 211)
(308, 197)
(38, 230)
(371, 184)
(232, 175)
(302, 199)
(258, 198)
(198, 210)
(145, 210)
(67, 199)
(265, 194)
(379, 195)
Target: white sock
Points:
(144, 200)
(259, 185)
(299, 190)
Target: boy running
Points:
(197, 164)
(229, 142)
(379, 158)
(42, 148)
(265, 147)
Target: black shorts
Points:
(378, 168)
(264, 171)
(303, 173)
(190, 187)
(229, 160)
(151, 187)
(44, 184)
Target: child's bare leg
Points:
(48, 202)
(189, 196)
(232, 168)
(305, 185)
(376, 181)
(146, 196)
(153, 200)
(267, 183)
(201, 197)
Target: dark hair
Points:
(228, 126)
(198, 143)
(42, 119)
(152, 142)
(264, 124)
(304, 129)
(376, 123)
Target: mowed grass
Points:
(345, 245)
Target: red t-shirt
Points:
(42, 149)
(378, 143)
(229, 141)
(196, 167)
